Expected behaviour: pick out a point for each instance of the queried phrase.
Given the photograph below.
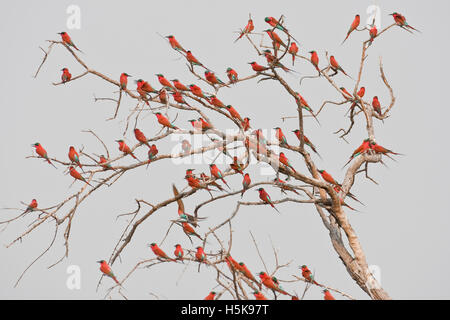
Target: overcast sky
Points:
(403, 226)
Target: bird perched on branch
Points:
(174, 44)
(106, 269)
(401, 21)
(67, 40)
(353, 27)
(42, 153)
(66, 75)
(264, 196)
(248, 28)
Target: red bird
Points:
(164, 82)
(179, 85)
(159, 253)
(379, 149)
(353, 26)
(256, 67)
(232, 75)
(124, 80)
(347, 94)
(195, 183)
(293, 49)
(327, 295)
(264, 196)
(243, 268)
(74, 156)
(178, 97)
(271, 283)
(306, 141)
(179, 253)
(248, 28)
(211, 77)
(217, 173)
(164, 121)
(360, 94)
(373, 33)
(193, 60)
(245, 183)
(284, 160)
(125, 149)
(189, 231)
(106, 269)
(275, 38)
(33, 205)
(66, 75)
(152, 153)
(205, 125)
(315, 60)
(259, 296)
(274, 23)
(307, 274)
(401, 21)
(246, 124)
(174, 43)
(234, 113)
(141, 137)
(328, 178)
(210, 296)
(376, 105)
(216, 102)
(360, 150)
(75, 174)
(42, 153)
(144, 88)
(281, 137)
(67, 41)
(200, 255)
(335, 66)
(283, 186)
(163, 96)
(103, 162)
(236, 166)
(196, 90)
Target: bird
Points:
(307, 274)
(336, 67)
(232, 75)
(189, 231)
(373, 33)
(216, 102)
(264, 196)
(275, 38)
(271, 283)
(193, 60)
(67, 40)
(141, 137)
(200, 255)
(66, 75)
(75, 174)
(178, 97)
(210, 296)
(293, 49)
(179, 253)
(400, 20)
(164, 121)
(281, 137)
(258, 295)
(106, 269)
(284, 160)
(315, 60)
(74, 156)
(246, 181)
(236, 166)
(42, 153)
(353, 26)
(159, 252)
(234, 113)
(31, 207)
(327, 295)
(103, 162)
(328, 178)
(256, 67)
(274, 23)
(152, 153)
(164, 82)
(376, 105)
(124, 80)
(212, 78)
(248, 28)
(125, 149)
(307, 142)
(174, 43)
(215, 171)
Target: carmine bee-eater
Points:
(248, 28)
(243, 268)
(200, 255)
(159, 252)
(284, 160)
(179, 253)
(271, 283)
(293, 49)
(210, 296)
(178, 97)
(125, 149)
(327, 295)
(281, 137)
(67, 41)
(353, 26)
(162, 94)
(174, 43)
(33, 205)
(152, 153)
(283, 186)
(236, 166)
(195, 183)
(234, 113)
(181, 212)
(124, 80)
(141, 137)
(336, 67)
(364, 147)
(211, 77)
(193, 60)
(271, 59)
(164, 121)
(177, 84)
(215, 171)
(328, 178)
(275, 37)
(307, 274)
(315, 60)
(216, 102)
(103, 162)
(205, 125)
(306, 141)
(275, 23)
(401, 21)
(232, 264)
(186, 146)
(347, 95)
(304, 104)
(256, 67)
(196, 90)
(245, 183)
(360, 94)
(232, 75)
(189, 231)
(197, 125)
(207, 179)
(246, 124)
(106, 269)
(75, 174)
(264, 196)
(164, 82)
(144, 88)
(66, 75)
(259, 296)
(379, 149)
(42, 153)
(376, 105)
(373, 33)
(74, 156)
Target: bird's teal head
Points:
(229, 69)
(177, 245)
(241, 264)
(159, 75)
(62, 33)
(183, 217)
(302, 266)
(101, 261)
(152, 244)
(266, 19)
(126, 74)
(228, 106)
(262, 273)
(36, 144)
(321, 171)
(169, 36)
(176, 80)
